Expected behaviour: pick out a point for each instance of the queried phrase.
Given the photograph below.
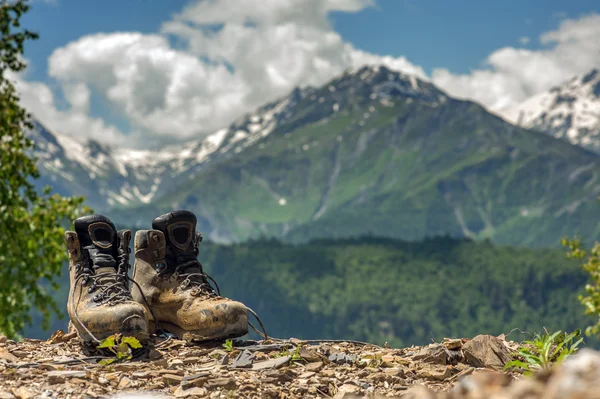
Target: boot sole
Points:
(231, 331)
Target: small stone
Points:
(309, 355)
(5, 394)
(23, 393)
(57, 377)
(172, 379)
(172, 372)
(316, 366)
(184, 393)
(175, 364)
(127, 366)
(435, 354)
(192, 360)
(438, 373)
(452, 343)
(244, 360)
(195, 380)
(114, 377)
(125, 382)
(20, 354)
(486, 351)
(3, 339)
(388, 360)
(225, 360)
(349, 388)
(342, 358)
(394, 372)
(307, 374)
(141, 374)
(6, 355)
(328, 373)
(226, 383)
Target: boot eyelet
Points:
(92, 288)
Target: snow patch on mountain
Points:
(570, 111)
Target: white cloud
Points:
(239, 54)
(40, 101)
(524, 40)
(235, 55)
(514, 74)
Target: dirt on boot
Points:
(175, 286)
(100, 302)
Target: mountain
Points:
(371, 152)
(116, 177)
(569, 111)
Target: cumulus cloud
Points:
(40, 101)
(236, 55)
(514, 74)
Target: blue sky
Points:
(450, 42)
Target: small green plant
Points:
(121, 347)
(543, 351)
(228, 345)
(296, 355)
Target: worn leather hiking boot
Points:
(100, 302)
(176, 288)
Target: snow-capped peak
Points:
(570, 110)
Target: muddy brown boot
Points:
(100, 302)
(176, 288)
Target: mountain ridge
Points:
(372, 151)
(569, 111)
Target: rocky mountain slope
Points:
(454, 368)
(371, 152)
(569, 111)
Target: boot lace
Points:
(110, 287)
(195, 280)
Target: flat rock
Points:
(244, 360)
(185, 393)
(57, 377)
(172, 379)
(272, 363)
(23, 393)
(486, 351)
(315, 366)
(435, 354)
(226, 383)
(6, 355)
(342, 358)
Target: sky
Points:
(145, 73)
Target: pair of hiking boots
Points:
(170, 289)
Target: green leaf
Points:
(105, 362)
(108, 342)
(133, 342)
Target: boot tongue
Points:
(179, 228)
(98, 235)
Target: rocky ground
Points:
(455, 368)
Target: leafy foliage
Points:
(31, 247)
(228, 345)
(122, 347)
(545, 350)
(591, 265)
